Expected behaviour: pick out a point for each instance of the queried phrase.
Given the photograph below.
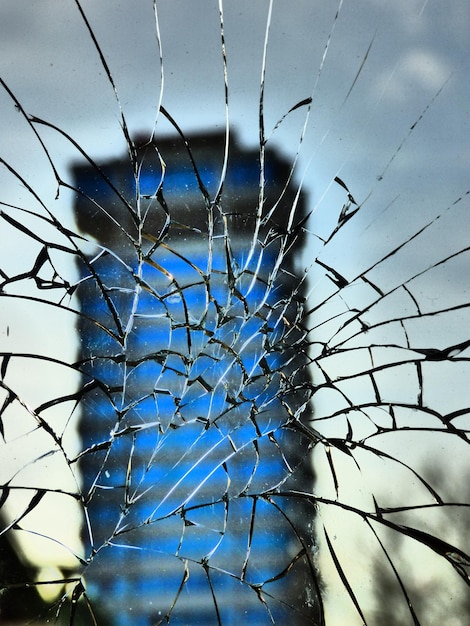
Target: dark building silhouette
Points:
(194, 375)
(19, 600)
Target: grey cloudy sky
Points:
(48, 60)
(358, 129)
(416, 48)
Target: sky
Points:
(389, 115)
(416, 48)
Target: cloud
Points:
(417, 69)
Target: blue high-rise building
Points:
(194, 374)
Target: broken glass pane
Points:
(233, 312)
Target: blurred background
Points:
(389, 116)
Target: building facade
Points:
(195, 373)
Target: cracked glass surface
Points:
(234, 313)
